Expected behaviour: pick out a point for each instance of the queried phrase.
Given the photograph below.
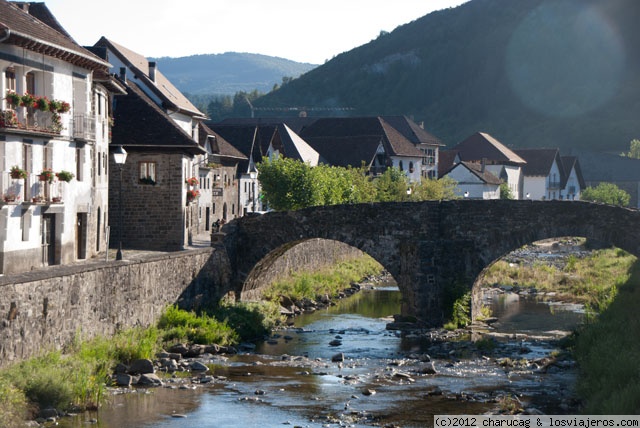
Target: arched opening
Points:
(306, 255)
(557, 277)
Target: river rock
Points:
(369, 391)
(212, 349)
(179, 348)
(194, 351)
(149, 379)
(197, 366)
(429, 368)
(120, 368)
(48, 413)
(123, 379)
(141, 366)
(337, 358)
(335, 342)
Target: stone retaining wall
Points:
(47, 309)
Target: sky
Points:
(302, 31)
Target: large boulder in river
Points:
(141, 366)
(149, 380)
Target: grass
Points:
(329, 281)
(607, 350)
(592, 280)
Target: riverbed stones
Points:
(338, 358)
(197, 366)
(335, 342)
(141, 366)
(149, 379)
(123, 379)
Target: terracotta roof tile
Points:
(483, 146)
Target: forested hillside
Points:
(533, 73)
(228, 73)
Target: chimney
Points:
(152, 71)
(483, 164)
(24, 6)
(123, 74)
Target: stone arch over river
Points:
(433, 249)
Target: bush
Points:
(13, 405)
(187, 326)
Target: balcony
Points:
(30, 121)
(30, 190)
(84, 127)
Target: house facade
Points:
(167, 185)
(474, 181)
(54, 140)
(549, 176)
(489, 155)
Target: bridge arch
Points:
(430, 248)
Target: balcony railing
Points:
(84, 127)
(30, 190)
(30, 120)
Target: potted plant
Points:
(36, 199)
(46, 175)
(41, 103)
(11, 197)
(27, 100)
(8, 119)
(65, 176)
(148, 180)
(192, 194)
(56, 199)
(193, 181)
(17, 173)
(64, 107)
(54, 106)
(13, 99)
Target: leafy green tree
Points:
(288, 184)
(435, 190)
(607, 193)
(392, 186)
(634, 149)
(505, 191)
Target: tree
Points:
(392, 186)
(505, 191)
(607, 193)
(435, 190)
(634, 150)
(288, 184)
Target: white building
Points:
(60, 123)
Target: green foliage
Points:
(607, 350)
(505, 191)
(606, 193)
(634, 149)
(288, 184)
(251, 320)
(434, 190)
(392, 186)
(328, 281)
(180, 325)
(13, 405)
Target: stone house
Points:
(223, 161)
(162, 182)
(54, 206)
(257, 142)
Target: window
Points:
(401, 166)
(31, 82)
(10, 79)
(79, 164)
(148, 173)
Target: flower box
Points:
(17, 173)
(46, 175)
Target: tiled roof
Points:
(337, 140)
(162, 87)
(445, 161)
(222, 147)
(477, 170)
(346, 151)
(572, 162)
(483, 146)
(607, 167)
(27, 31)
(244, 138)
(412, 131)
(141, 125)
(539, 161)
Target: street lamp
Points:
(120, 157)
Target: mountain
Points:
(532, 73)
(228, 73)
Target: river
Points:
(384, 380)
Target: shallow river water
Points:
(290, 380)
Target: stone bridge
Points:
(434, 250)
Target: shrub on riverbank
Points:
(607, 350)
(592, 280)
(328, 281)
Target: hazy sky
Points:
(304, 31)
